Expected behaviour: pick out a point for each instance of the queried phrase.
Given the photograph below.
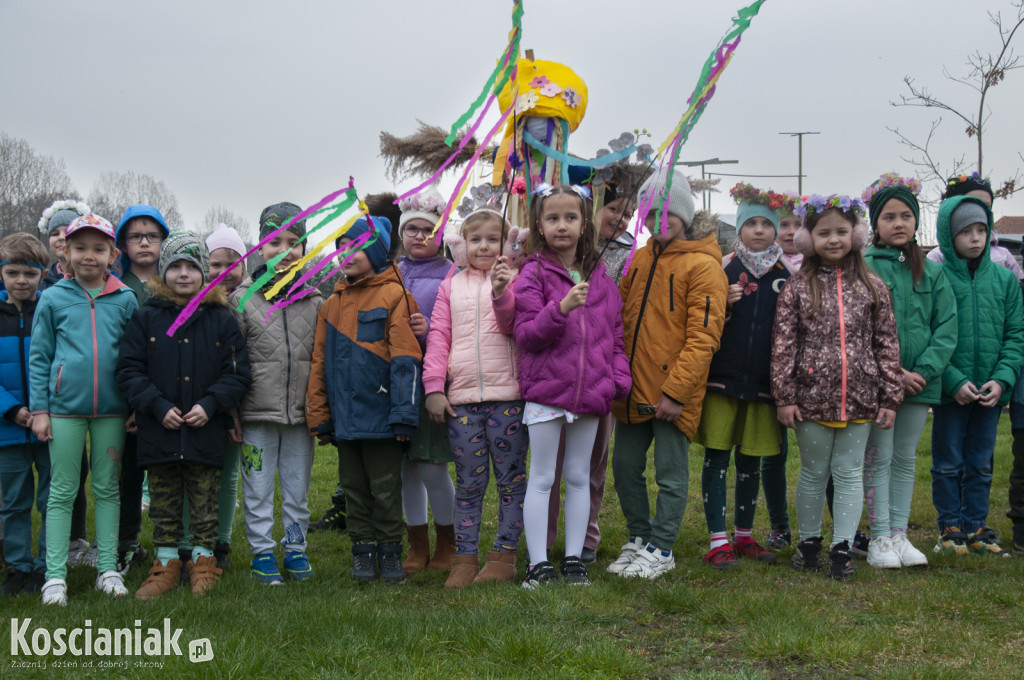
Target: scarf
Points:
(761, 262)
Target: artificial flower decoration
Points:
(550, 90)
(816, 203)
(526, 101)
(539, 81)
(890, 179)
(747, 193)
(571, 97)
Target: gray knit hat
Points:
(680, 199)
(277, 215)
(966, 214)
(184, 245)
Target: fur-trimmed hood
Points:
(161, 291)
(703, 223)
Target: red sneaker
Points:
(721, 557)
(751, 549)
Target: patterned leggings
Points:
(491, 429)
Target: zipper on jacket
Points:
(288, 374)
(479, 361)
(583, 344)
(974, 302)
(842, 345)
(95, 360)
(639, 320)
(671, 293)
(21, 365)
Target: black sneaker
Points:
(840, 565)
(807, 554)
(779, 539)
(14, 584)
(389, 559)
(588, 555)
(1018, 539)
(540, 574)
(861, 541)
(132, 556)
(364, 562)
(574, 571)
(334, 518)
(221, 552)
(35, 581)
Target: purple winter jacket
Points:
(575, 362)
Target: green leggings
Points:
(106, 442)
(889, 469)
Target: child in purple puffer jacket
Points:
(568, 327)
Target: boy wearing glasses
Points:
(140, 233)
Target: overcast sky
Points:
(243, 104)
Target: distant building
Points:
(1010, 225)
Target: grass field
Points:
(960, 618)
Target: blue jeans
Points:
(19, 489)
(963, 440)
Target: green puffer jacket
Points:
(925, 318)
(990, 316)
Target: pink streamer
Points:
(359, 243)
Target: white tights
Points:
(422, 480)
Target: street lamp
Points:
(800, 157)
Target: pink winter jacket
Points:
(469, 343)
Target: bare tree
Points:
(115, 192)
(219, 214)
(984, 71)
(29, 183)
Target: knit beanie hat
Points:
(883, 195)
(377, 251)
(184, 245)
(680, 200)
(140, 210)
(277, 215)
(61, 214)
(426, 205)
(967, 213)
(225, 237)
(745, 211)
(961, 185)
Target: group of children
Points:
(534, 341)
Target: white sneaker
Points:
(111, 583)
(55, 591)
(625, 558)
(77, 550)
(908, 554)
(881, 554)
(649, 563)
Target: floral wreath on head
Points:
(890, 179)
(816, 203)
(747, 193)
(788, 207)
(426, 201)
(64, 204)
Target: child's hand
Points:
(235, 432)
(196, 417)
(129, 425)
(172, 419)
(885, 419)
(576, 297)
(323, 439)
(967, 394)
(990, 393)
(735, 293)
(500, 275)
(913, 382)
(402, 437)
(789, 415)
(438, 407)
(41, 427)
(419, 324)
(23, 418)
(668, 409)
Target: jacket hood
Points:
(161, 291)
(387, 275)
(942, 233)
(703, 223)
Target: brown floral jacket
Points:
(843, 363)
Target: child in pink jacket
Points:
(469, 346)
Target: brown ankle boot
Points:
(162, 578)
(500, 566)
(203, 573)
(444, 549)
(419, 549)
(464, 570)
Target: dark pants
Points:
(132, 477)
(773, 479)
(81, 506)
(371, 475)
(168, 484)
(713, 485)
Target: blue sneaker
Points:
(297, 566)
(264, 569)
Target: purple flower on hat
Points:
(571, 97)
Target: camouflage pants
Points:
(168, 484)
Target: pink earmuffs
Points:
(804, 244)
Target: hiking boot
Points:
(162, 578)
(55, 591)
(952, 542)
(861, 544)
(221, 552)
(540, 574)
(444, 547)
(807, 555)
(419, 548)
(1018, 539)
(840, 566)
(649, 563)
(625, 558)
(574, 571)
(464, 570)
(985, 542)
(111, 583)
(14, 584)
(364, 562)
(203, 573)
(500, 566)
(779, 540)
(908, 554)
(132, 556)
(389, 559)
(296, 565)
(721, 557)
(264, 569)
(881, 554)
(750, 549)
(334, 518)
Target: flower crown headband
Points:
(890, 179)
(816, 203)
(426, 201)
(960, 179)
(746, 193)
